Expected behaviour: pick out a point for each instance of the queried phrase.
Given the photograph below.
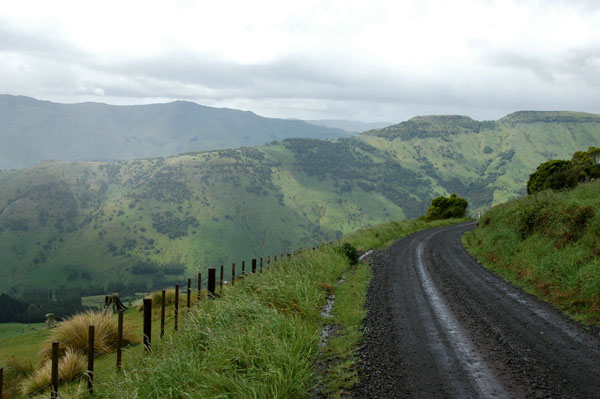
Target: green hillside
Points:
(548, 244)
(131, 225)
(32, 131)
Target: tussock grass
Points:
(71, 366)
(73, 333)
(15, 372)
(548, 244)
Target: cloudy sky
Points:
(360, 60)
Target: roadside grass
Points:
(260, 339)
(21, 355)
(337, 363)
(548, 245)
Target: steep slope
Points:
(489, 162)
(32, 131)
(547, 243)
(135, 224)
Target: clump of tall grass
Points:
(15, 372)
(71, 366)
(73, 333)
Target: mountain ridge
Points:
(33, 130)
(102, 222)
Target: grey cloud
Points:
(329, 85)
(42, 43)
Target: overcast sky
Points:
(359, 60)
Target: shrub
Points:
(528, 218)
(447, 207)
(350, 252)
(547, 174)
(560, 174)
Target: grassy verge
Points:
(337, 364)
(548, 244)
(260, 339)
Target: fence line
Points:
(147, 321)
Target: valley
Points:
(128, 226)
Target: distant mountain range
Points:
(32, 131)
(350, 126)
(141, 223)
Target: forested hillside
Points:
(131, 225)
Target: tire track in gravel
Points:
(440, 325)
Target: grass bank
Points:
(548, 244)
(336, 366)
(262, 338)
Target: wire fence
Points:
(112, 303)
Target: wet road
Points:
(439, 325)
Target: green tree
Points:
(552, 174)
(447, 207)
(559, 174)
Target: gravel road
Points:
(439, 325)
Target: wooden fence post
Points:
(199, 285)
(54, 372)
(243, 268)
(253, 266)
(119, 340)
(176, 319)
(275, 258)
(163, 305)
(147, 324)
(189, 293)
(233, 274)
(221, 279)
(90, 354)
(212, 275)
(261, 264)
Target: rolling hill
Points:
(130, 225)
(32, 131)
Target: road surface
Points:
(439, 325)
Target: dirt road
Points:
(439, 325)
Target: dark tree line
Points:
(36, 303)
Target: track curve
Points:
(439, 325)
